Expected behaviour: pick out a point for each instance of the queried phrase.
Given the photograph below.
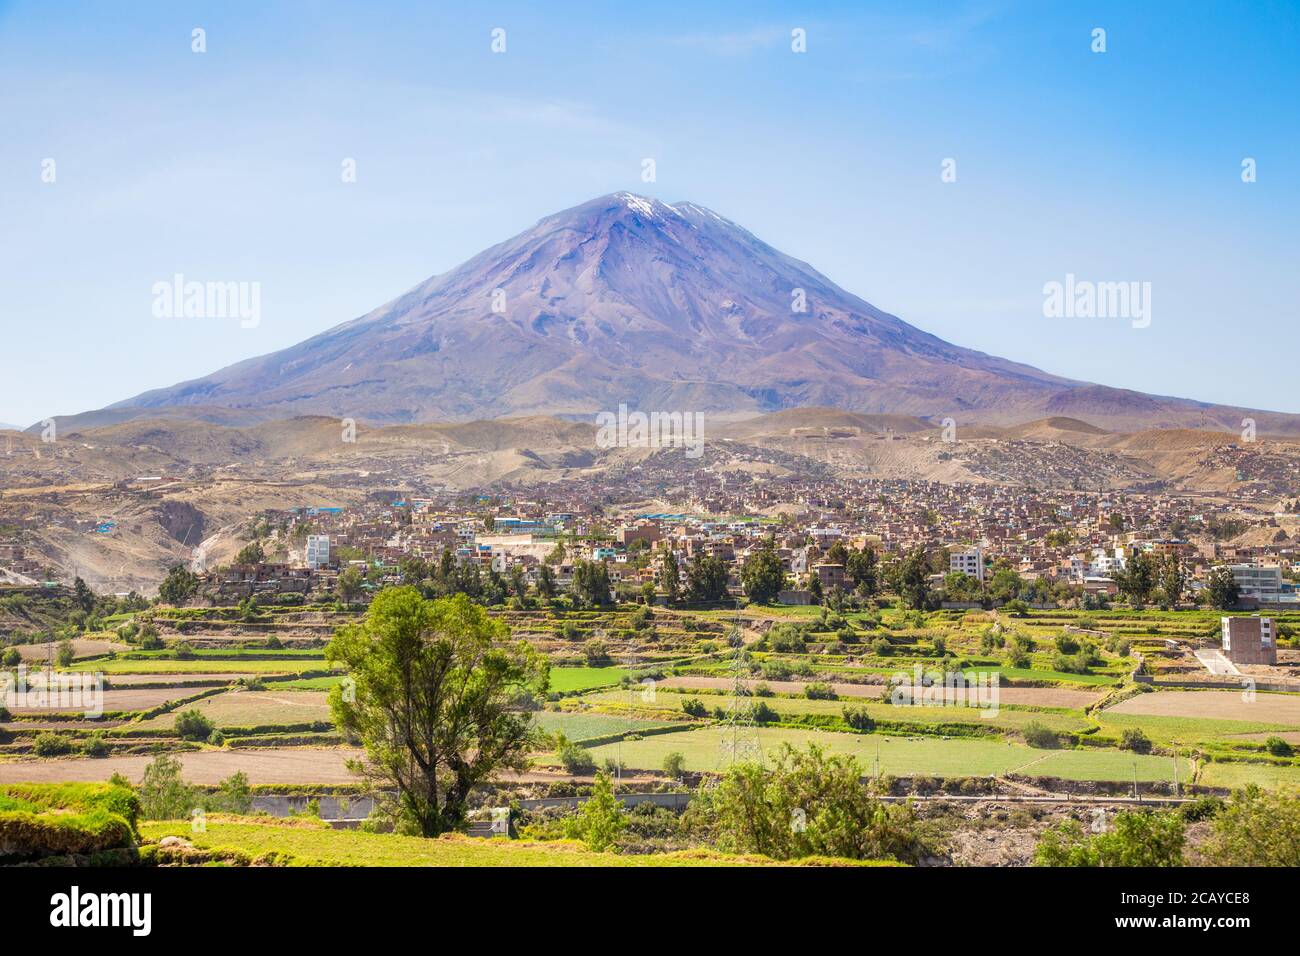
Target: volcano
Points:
(629, 300)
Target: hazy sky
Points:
(225, 165)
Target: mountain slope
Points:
(629, 300)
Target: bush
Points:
(192, 725)
(674, 764)
(1135, 740)
(50, 744)
(820, 691)
(764, 714)
(94, 746)
(576, 759)
(1139, 838)
(1278, 747)
(858, 718)
(694, 706)
(1040, 736)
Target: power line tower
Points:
(739, 739)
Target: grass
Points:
(1235, 774)
(669, 701)
(305, 843)
(900, 756)
(586, 726)
(566, 680)
(1186, 731)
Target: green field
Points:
(1233, 774)
(305, 844)
(901, 756)
(585, 726)
(669, 701)
(566, 680)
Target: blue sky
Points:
(1115, 166)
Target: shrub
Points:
(820, 691)
(858, 718)
(1040, 736)
(764, 714)
(94, 746)
(1138, 839)
(694, 706)
(575, 759)
(1134, 739)
(192, 725)
(1278, 747)
(674, 764)
(50, 744)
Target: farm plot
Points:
(199, 666)
(565, 680)
(900, 756)
(1024, 696)
(1222, 704)
(248, 708)
(124, 700)
(670, 701)
(1238, 774)
(586, 726)
(271, 765)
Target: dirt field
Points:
(124, 699)
(81, 647)
(129, 680)
(1028, 696)
(255, 708)
(271, 765)
(1222, 704)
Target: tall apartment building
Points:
(968, 562)
(318, 550)
(1249, 640)
(1261, 583)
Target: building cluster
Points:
(1074, 539)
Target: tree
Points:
(1221, 590)
(1138, 579)
(546, 581)
(809, 803)
(251, 554)
(163, 794)
(430, 698)
(1172, 577)
(179, 585)
(1139, 838)
(861, 568)
(348, 585)
(762, 575)
(601, 819)
(590, 582)
(66, 654)
(912, 579)
(706, 578)
(671, 575)
(674, 764)
(233, 794)
(82, 595)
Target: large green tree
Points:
(763, 575)
(1222, 591)
(706, 578)
(179, 584)
(430, 697)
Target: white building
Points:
(318, 550)
(1260, 583)
(968, 562)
